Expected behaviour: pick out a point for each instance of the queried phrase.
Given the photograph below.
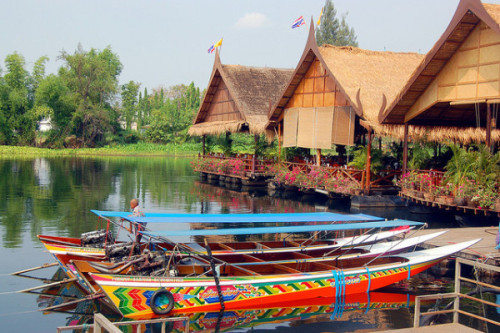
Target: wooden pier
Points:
(483, 251)
(453, 327)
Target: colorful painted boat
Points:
(81, 269)
(64, 252)
(272, 285)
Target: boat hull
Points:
(132, 295)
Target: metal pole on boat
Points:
(216, 276)
(35, 268)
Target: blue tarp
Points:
(240, 218)
(285, 229)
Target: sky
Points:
(165, 42)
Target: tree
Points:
(174, 111)
(19, 124)
(129, 102)
(92, 78)
(332, 31)
(53, 94)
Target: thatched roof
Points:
(438, 124)
(374, 74)
(363, 76)
(253, 90)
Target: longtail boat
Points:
(149, 265)
(263, 285)
(66, 249)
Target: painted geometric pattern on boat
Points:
(132, 300)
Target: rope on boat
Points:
(409, 271)
(369, 279)
(368, 302)
(216, 275)
(340, 285)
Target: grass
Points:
(139, 149)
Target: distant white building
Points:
(133, 125)
(45, 125)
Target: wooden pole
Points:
(47, 285)
(279, 141)
(488, 125)
(405, 149)
(35, 268)
(368, 159)
(254, 159)
(318, 157)
(203, 141)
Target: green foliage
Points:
(360, 156)
(477, 164)
(92, 77)
(172, 113)
(129, 102)
(421, 155)
(332, 31)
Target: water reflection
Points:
(55, 195)
(372, 308)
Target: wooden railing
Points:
(436, 175)
(457, 296)
(250, 164)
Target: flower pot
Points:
(441, 199)
(449, 200)
(419, 194)
(496, 207)
(460, 201)
(429, 196)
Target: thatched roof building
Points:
(337, 87)
(455, 91)
(238, 99)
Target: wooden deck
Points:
(483, 250)
(461, 209)
(455, 328)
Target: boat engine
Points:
(96, 238)
(116, 252)
(155, 265)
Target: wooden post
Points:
(254, 159)
(203, 141)
(318, 157)
(368, 159)
(405, 149)
(488, 125)
(279, 141)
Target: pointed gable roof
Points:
(363, 77)
(252, 90)
(468, 14)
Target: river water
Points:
(54, 196)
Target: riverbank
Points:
(138, 149)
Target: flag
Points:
(319, 18)
(298, 22)
(212, 48)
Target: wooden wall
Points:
(316, 90)
(472, 74)
(222, 106)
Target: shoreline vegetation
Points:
(137, 149)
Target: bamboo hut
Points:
(238, 99)
(454, 93)
(336, 94)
